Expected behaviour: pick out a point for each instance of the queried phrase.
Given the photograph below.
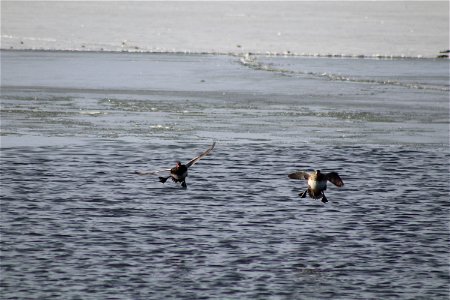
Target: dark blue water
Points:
(77, 223)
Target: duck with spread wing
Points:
(180, 171)
(317, 183)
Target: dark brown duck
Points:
(180, 171)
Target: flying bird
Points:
(180, 171)
(317, 183)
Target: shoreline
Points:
(440, 55)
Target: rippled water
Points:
(77, 223)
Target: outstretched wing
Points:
(196, 159)
(299, 175)
(151, 172)
(334, 178)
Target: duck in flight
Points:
(180, 171)
(317, 183)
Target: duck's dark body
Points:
(178, 174)
(317, 183)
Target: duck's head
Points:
(178, 163)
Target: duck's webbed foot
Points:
(303, 195)
(183, 184)
(324, 199)
(163, 179)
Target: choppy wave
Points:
(77, 216)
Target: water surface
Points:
(78, 223)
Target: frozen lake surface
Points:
(349, 28)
